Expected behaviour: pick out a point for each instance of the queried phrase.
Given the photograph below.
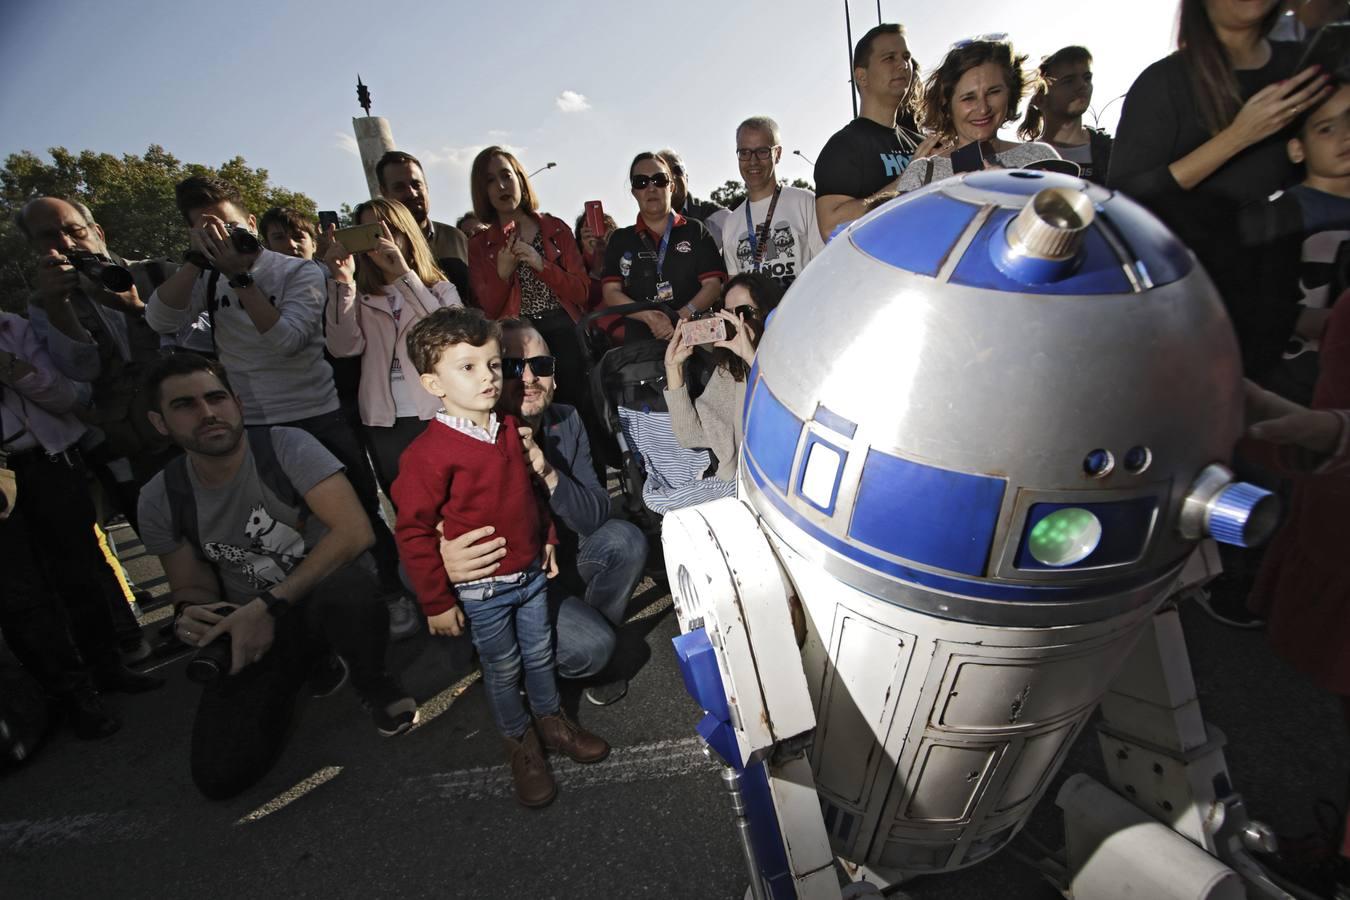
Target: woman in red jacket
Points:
(526, 264)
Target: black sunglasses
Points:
(660, 179)
(514, 366)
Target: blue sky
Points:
(275, 82)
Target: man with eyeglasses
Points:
(709, 213)
(773, 230)
(862, 163)
(102, 332)
(600, 559)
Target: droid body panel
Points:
(980, 444)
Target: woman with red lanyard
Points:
(394, 287)
(527, 264)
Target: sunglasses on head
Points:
(660, 179)
(514, 366)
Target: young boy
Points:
(1302, 236)
(466, 470)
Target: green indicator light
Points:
(1065, 537)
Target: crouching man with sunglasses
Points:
(664, 258)
(600, 559)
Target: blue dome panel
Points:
(916, 235)
(1099, 270)
(1162, 257)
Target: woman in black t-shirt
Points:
(1200, 131)
(664, 258)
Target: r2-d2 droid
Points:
(984, 436)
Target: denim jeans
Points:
(608, 566)
(509, 624)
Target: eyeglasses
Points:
(677, 169)
(660, 179)
(997, 38)
(514, 366)
(51, 236)
(759, 153)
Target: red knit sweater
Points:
(448, 476)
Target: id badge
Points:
(664, 292)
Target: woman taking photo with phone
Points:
(374, 297)
(968, 98)
(1202, 131)
(526, 264)
(664, 258)
(714, 419)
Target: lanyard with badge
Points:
(664, 292)
(760, 242)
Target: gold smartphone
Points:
(359, 238)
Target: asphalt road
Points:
(346, 813)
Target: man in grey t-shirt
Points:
(263, 542)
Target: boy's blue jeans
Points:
(509, 624)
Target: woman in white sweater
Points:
(713, 420)
(373, 299)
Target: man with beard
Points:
(401, 178)
(1055, 113)
(862, 163)
(264, 545)
(600, 558)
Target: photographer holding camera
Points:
(266, 312)
(263, 542)
(87, 307)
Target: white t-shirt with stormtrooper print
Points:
(793, 237)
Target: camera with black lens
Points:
(243, 240)
(101, 270)
(212, 662)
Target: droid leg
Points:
(740, 661)
(1162, 757)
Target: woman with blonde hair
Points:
(373, 299)
(526, 264)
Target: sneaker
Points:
(329, 675)
(560, 734)
(405, 619)
(529, 770)
(607, 692)
(134, 651)
(392, 710)
(1228, 612)
(88, 717)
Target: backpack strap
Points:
(182, 503)
(211, 282)
(270, 471)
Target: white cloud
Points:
(344, 141)
(461, 157)
(498, 135)
(571, 101)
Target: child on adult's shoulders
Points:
(468, 469)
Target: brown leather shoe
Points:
(561, 734)
(529, 770)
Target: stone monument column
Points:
(373, 137)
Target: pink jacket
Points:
(367, 329)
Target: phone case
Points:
(704, 331)
(359, 238)
(595, 217)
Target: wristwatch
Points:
(242, 280)
(275, 605)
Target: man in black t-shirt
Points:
(863, 160)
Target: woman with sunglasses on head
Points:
(373, 299)
(1202, 131)
(968, 98)
(664, 258)
(714, 419)
(526, 264)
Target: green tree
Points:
(733, 192)
(131, 196)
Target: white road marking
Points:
(323, 776)
(84, 828)
(645, 762)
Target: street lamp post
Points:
(809, 160)
(542, 168)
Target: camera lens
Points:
(244, 240)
